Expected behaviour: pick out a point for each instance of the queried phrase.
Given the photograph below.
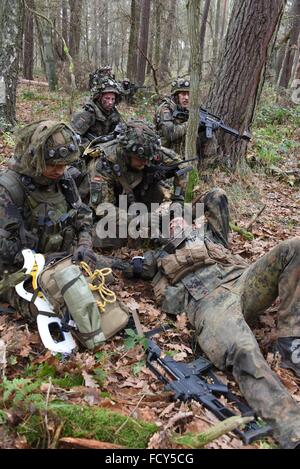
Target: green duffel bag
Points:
(93, 307)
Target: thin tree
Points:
(193, 15)
(143, 40)
(133, 40)
(28, 45)
(166, 46)
(11, 26)
(237, 84)
(291, 46)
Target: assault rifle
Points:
(210, 122)
(160, 172)
(196, 381)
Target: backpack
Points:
(96, 312)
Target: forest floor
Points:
(116, 379)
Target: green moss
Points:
(89, 422)
(193, 180)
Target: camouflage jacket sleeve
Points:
(167, 128)
(169, 158)
(10, 223)
(98, 186)
(81, 121)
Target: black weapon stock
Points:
(160, 172)
(196, 381)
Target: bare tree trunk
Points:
(11, 29)
(95, 32)
(49, 57)
(224, 13)
(28, 45)
(193, 13)
(143, 41)
(237, 84)
(291, 47)
(216, 37)
(64, 26)
(104, 34)
(202, 37)
(158, 8)
(166, 48)
(133, 40)
(150, 41)
(75, 27)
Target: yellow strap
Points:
(106, 295)
(34, 274)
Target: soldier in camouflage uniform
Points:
(221, 293)
(40, 207)
(117, 167)
(99, 115)
(172, 129)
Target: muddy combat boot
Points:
(289, 349)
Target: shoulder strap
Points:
(11, 181)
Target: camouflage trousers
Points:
(221, 318)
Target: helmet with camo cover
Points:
(140, 139)
(42, 143)
(180, 84)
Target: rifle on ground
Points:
(210, 122)
(196, 381)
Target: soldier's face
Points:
(107, 101)
(54, 171)
(136, 163)
(183, 98)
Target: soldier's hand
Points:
(84, 253)
(11, 280)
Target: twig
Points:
(254, 218)
(56, 436)
(131, 413)
(46, 411)
(198, 440)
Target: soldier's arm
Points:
(170, 131)
(81, 121)
(10, 225)
(169, 158)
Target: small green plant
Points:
(136, 368)
(134, 339)
(100, 376)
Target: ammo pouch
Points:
(184, 261)
(65, 286)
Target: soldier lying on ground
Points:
(121, 168)
(220, 294)
(40, 207)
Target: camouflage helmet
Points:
(46, 142)
(139, 138)
(180, 84)
(100, 73)
(105, 84)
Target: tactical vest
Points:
(190, 274)
(46, 213)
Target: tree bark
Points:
(237, 84)
(158, 8)
(291, 47)
(143, 41)
(202, 36)
(64, 26)
(193, 14)
(133, 40)
(49, 57)
(75, 27)
(216, 36)
(11, 28)
(28, 45)
(104, 34)
(166, 48)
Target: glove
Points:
(84, 253)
